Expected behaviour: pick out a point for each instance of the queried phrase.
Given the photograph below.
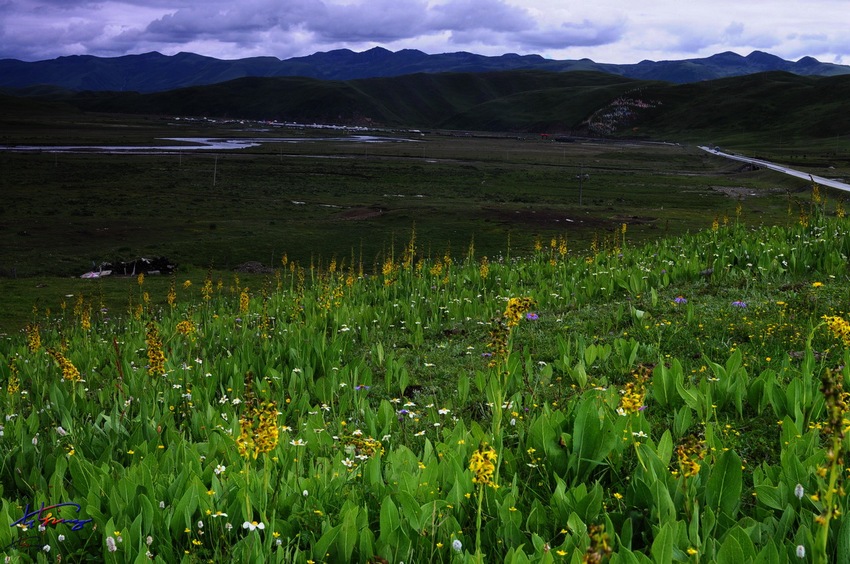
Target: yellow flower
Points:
(840, 328)
(516, 307)
(817, 284)
(33, 337)
(156, 358)
(482, 464)
(69, 371)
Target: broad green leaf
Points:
(348, 533)
(665, 447)
(662, 546)
(323, 545)
(723, 490)
(389, 516)
(769, 554)
(730, 552)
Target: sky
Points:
(607, 31)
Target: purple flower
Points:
(531, 316)
(486, 355)
(680, 300)
(361, 387)
(740, 304)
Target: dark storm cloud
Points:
(605, 30)
(377, 20)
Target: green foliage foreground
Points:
(677, 402)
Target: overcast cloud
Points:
(608, 31)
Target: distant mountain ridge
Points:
(155, 72)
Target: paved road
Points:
(779, 168)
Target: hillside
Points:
(155, 72)
(768, 106)
(517, 100)
(764, 106)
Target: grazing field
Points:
(462, 349)
(64, 213)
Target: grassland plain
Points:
(318, 200)
(617, 403)
(652, 374)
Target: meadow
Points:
(677, 400)
(454, 355)
(65, 213)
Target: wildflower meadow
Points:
(679, 401)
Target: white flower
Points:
(110, 544)
(200, 524)
(298, 442)
(149, 540)
(62, 432)
(457, 546)
(801, 551)
(799, 492)
(348, 463)
(253, 525)
(35, 440)
(60, 538)
(162, 505)
(46, 548)
(305, 493)
(228, 526)
(219, 469)
(443, 411)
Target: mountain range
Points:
(155, 72)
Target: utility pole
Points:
(580, 183)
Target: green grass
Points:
(373, 393)
(63, 212)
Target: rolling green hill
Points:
(517, 100)
(774, 106)
(768, 105)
